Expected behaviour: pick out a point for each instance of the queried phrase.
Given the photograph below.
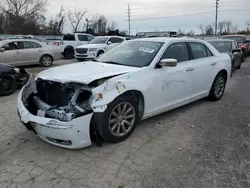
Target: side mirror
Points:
(168, 63)
(109, 42)
(2, 49)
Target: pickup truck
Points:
(70, 41)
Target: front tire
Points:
(218, 87)
(69, 53)
(119, 120)
(7, 85)
(46, 61)
(100, 53)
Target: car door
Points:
(12, 53)
(32, 52)
(82, 39)
(237, 55)
(172, 85)
(202, 70)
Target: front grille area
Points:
(81, 50)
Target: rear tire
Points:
(218, 87)
(7, 85)
(69, 53)
(46, 61)
(114, 126)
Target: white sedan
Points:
(28, 51)
(74, 105)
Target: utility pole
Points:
(129, 19)
(216, 16)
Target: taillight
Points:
(57, 43)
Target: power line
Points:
(216, 16)
(129, 18)
(182, 15)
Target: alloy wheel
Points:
(122, 119)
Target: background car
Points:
(11, 78)
(242, 42)
(74, 105)
(27, 51)
(70, 41)
(97, 46)
(231, 48)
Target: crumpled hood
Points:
(92, 46)
(84, 72)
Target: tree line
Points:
(223, 28)
(25, 17)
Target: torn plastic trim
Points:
(35, 89)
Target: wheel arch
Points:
(48, 55)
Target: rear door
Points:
(12, 53)
(203, 68)
(82, 39)
(237, 55)
(32, 52)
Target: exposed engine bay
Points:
(52, 99)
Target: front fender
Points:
(109, 91)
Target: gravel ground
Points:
(202, 145)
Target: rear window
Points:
(238, 39)
(69, 37)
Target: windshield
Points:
(132, 53)
(222, 46)
(238, 39)
(99, 40)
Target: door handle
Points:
(214, 63)
(18, 52)
(189, 69)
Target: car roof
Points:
(109, 36)
(168, 39)
(11, 40)
(235, 35)
(225, 40)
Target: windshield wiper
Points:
(112, 62)
(95, 60)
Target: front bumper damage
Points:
(59, 113)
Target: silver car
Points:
(27, 51)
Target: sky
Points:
(158, 15)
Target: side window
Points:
(82, 38)
(209, 53)
(116, 40)
(198, 50)
(28, 45)
(178, 51)
(90, 38)
(12, 46)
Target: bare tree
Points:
(24, 16)
(209, 30)
(191, 33)
(235, 29)
(75, 18)
(221, 27)
(229, 26)
(112, 26)
(99, 24)
(201, 27)
(56, 25)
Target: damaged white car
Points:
(75, 105)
